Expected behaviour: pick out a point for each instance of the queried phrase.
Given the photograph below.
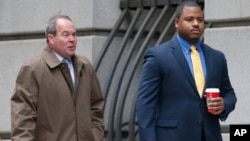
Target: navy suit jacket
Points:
(169, 107)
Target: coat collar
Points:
(52, 61)
(79, 62)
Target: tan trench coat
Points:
(46, 107)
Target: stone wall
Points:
(22, 26)
(230, 33)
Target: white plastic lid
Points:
(212, 90)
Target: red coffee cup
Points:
(211, 93)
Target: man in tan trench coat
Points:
(55, 101)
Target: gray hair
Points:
(51, 28)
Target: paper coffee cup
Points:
(211, 93)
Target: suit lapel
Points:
(178, 53)
(209, 61)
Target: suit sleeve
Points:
(147, 99)
(23, 107)
(227, 92)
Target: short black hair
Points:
(181, 6)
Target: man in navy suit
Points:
(169, 107)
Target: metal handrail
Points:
(122, 98)
(166, 29)
(110, 39)
(110, 78)
(135, 65)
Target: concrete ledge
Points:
(227, 10)
(32, 16)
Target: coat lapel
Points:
(79, 65)
(78, 74)
(65, 71)
(53, 62)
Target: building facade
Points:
(23, 22)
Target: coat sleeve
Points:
(97, 107)
(23, 107)
(146, 105)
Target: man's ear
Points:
(50, 38)
(176, 21)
